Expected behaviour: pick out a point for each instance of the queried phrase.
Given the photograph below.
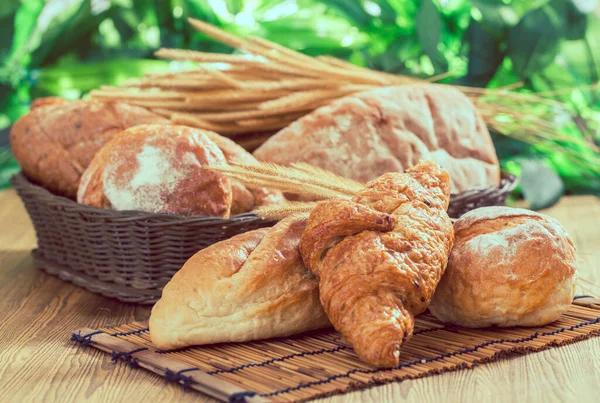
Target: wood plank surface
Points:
(38, 362)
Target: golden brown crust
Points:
(252, 286)
(380, 256)
(508, 267)
(56, 141)
(362, 136)
(127, 150)
(159, 169)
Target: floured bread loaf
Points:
(252, 286)
(158, 169)
(162, 169)
(57, 140)
(508, 267)
(390, 129)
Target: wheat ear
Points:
(278, 212)
(302, 179)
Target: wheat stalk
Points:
(275, 212)
(301, 179)
(266, 86)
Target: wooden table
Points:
(38, 362)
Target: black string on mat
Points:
(85, 339)
(178, 377)
(186, 381)
(127, 356)
(273, 360)
(130, 332)
(175, 350)
(240, 397)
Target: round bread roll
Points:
(159, 169)
(56, 141)
(508, 267)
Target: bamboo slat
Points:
(320, 363)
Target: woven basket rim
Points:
(507, 181)
(133, 215)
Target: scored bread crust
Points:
(56, 141)
(252, 286)
(508, 267)
(365, 135)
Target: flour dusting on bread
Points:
(508, 267)
(155, 178)
(365, 135)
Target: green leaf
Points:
(388, 12)
(541, 186)
(429, 32)
(352, 9)
(485, 55)
(577, 65)
(70, 29)
(7, 28)
(574, 21)
(70, 78)
(8, 7)
(25, 19)
(495, 17)
(534, 42)
(235, 6)
(8, 166)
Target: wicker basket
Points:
(471, 199)
(128, 255)
(131, 255)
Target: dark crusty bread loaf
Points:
(163, 169)
(56, 141)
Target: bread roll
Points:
(508, 267)
(388, 130)
(158, 169)
(56, 141)
(161, 169)
(252, 286)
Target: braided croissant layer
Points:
(380, 256)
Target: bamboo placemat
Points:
(318, 364)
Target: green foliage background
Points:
(68, 47)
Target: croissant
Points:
(379, 257)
